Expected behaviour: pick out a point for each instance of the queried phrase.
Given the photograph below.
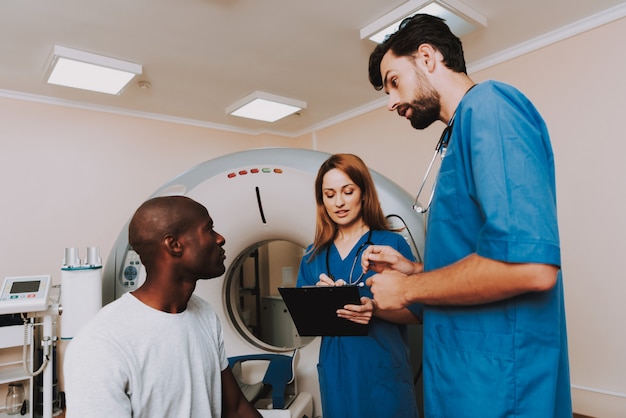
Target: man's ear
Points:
(173, 245)
(429, 56)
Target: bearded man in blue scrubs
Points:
(495, 342)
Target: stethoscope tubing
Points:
(356, 257)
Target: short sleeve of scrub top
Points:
(496, 189)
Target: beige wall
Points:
(71, 178)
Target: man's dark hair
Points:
(413, 32)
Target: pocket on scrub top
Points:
(466, 368)
(446, 198)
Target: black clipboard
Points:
(314, 310)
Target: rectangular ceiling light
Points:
(87, 71)
(265, 106)
(460, 18)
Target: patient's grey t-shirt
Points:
(132, 360)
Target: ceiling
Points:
(200, 56)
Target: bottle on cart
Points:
(15, 399)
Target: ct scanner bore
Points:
(254, 197)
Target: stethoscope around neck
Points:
(349, 281)
(440, 149)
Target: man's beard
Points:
(424, 112)
(426, 106)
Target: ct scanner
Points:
(255, 197)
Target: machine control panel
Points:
(132, 274)
(21, 294)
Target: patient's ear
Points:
(173, 245)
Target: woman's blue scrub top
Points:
(495, 196)
(370, 376)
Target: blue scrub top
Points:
(370, 376)
(495, 196)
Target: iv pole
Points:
(47, 340)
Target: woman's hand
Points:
(361, 314)
(327, 281)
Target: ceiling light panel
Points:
(87, 71)
(265, 107)
(460, 18)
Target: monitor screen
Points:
(25, 287)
